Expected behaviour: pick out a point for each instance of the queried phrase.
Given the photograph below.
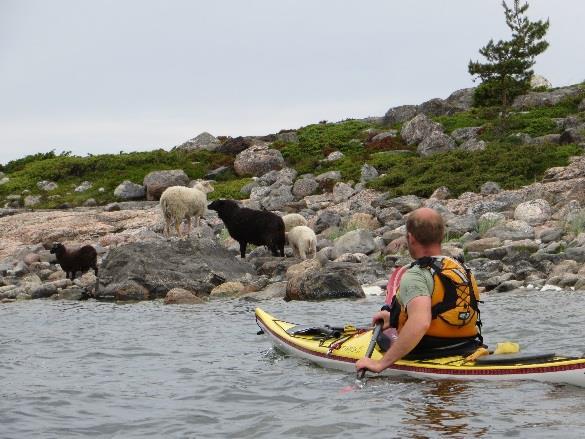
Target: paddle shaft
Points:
(375, 334)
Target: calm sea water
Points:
(89, 369)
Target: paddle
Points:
(362, 372)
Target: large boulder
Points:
(148, 270)
(356, 241)
(325, 220)
(368, 173)
(473, 144)
(305, 186)
(419, 128)
(434, 143)
(128, 190)
(234, 145)
(258, 160)
(462, 135)
(461, 100)
(546, 98)
(539, 81)
(202, 141)
(534, 212)
(157, 181)
(47, 186)
(400, 114)
(513, 230)
(323, 284)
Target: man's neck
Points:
(431, 250)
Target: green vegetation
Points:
(505, 160)
(484, 224)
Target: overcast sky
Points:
(104, 76)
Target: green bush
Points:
(461, 171)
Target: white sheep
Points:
(180, 202)
(292, 220)
(303, 241)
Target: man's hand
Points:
(382, 315)
(369, 364)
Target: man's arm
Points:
(416, 326)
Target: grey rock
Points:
(546, 139)
(400, 114)
(43, 290)
(534, 212)
(325, 220)
(234, 145)
(156, 267)
(419, 128)
(202, 141)
(323, 285)
(368, 173)
(304, 187)
(483, 207)
(545, 99)
(90, 202)
(434, 143)
(355, 241)
(461, 100)
(47, 186)
(128, 190)
(157, 182)
(388, 214)
(509, 285)
(462, 135)
(539, 81)
(247, 189)
(459, 225)
(473, 145)
(512, 230)
(328, 179)
(441, 193)
(436, 107)
(216, 173)
(490, 187)
(384, 135)
(32, 200)
(84, 186)
(334, 156)
(288, 136)
(73, 293)
(341, 192)
(258, 160)
(406, 203)
(576, 253)
(572, 135)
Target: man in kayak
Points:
(435, 309)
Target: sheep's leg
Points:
(302, 253)
(178, 227)
(281, 247)
(188, 226)
(313, 249)
(166, 230)
(295, 250)
(243, 245)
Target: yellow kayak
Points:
(340, 348)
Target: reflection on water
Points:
(441, 408)
(88, 369)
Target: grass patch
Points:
(461, 171)
(576, 223)
(103, 171)
(229, 189)
(484, 224)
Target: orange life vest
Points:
(454, 300)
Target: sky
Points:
(132, 75)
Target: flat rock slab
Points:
(148, 270)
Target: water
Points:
(88, 369)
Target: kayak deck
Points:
(341, 351)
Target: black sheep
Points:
(72, 261)
(258, 227)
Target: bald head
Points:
(426, 226)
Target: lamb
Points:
(72, 261)
(292, 220)
(303, 241)
(258, 227)
(180, 202)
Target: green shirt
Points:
(415, 282)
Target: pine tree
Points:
(508, 69)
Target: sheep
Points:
(72, 261)
(180, 202)
(245, 225)
(303, 241)
(292, 220)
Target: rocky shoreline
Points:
(529, 237)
